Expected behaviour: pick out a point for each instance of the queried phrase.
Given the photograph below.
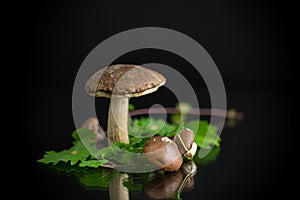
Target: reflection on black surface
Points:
(171, 185)
(155, 185)
(117, 191)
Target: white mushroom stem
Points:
(117, 120)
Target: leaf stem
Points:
(230, 114)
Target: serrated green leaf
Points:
(75, 154)
(87, 137)
(75, 135)
(83, 134)
(205, 135)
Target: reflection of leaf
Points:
(68, 169)
(131, 185)
(92, 163)
(206, 134)
(97, 178)
(210, 157)
(74, 154)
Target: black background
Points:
(250, 42)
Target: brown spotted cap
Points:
(124, 80)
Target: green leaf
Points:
(87, 137)
(210, 157)
(205, 135)
(83, 134)
(131, 107)
(92, 163)
(147, 127)
(75, 154)
(135, 148)
(75, 135)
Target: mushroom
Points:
(121, 82)
(185, 143)
(92, 124)
(163, 153)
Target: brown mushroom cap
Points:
(163, 153)
(124, 80)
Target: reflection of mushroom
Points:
(164, 187)
(189, 170)
(185, 143)
(163, 153)
(121, 82)
(117, 191)
(189, 184)
(171, 185)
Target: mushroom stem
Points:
(117, 120)
(117, 191)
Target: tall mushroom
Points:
(121, 82)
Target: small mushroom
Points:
(121, 82)
(163, 153)
(185, 143)
(92, 124)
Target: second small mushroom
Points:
(185, 143)
(121, 82)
